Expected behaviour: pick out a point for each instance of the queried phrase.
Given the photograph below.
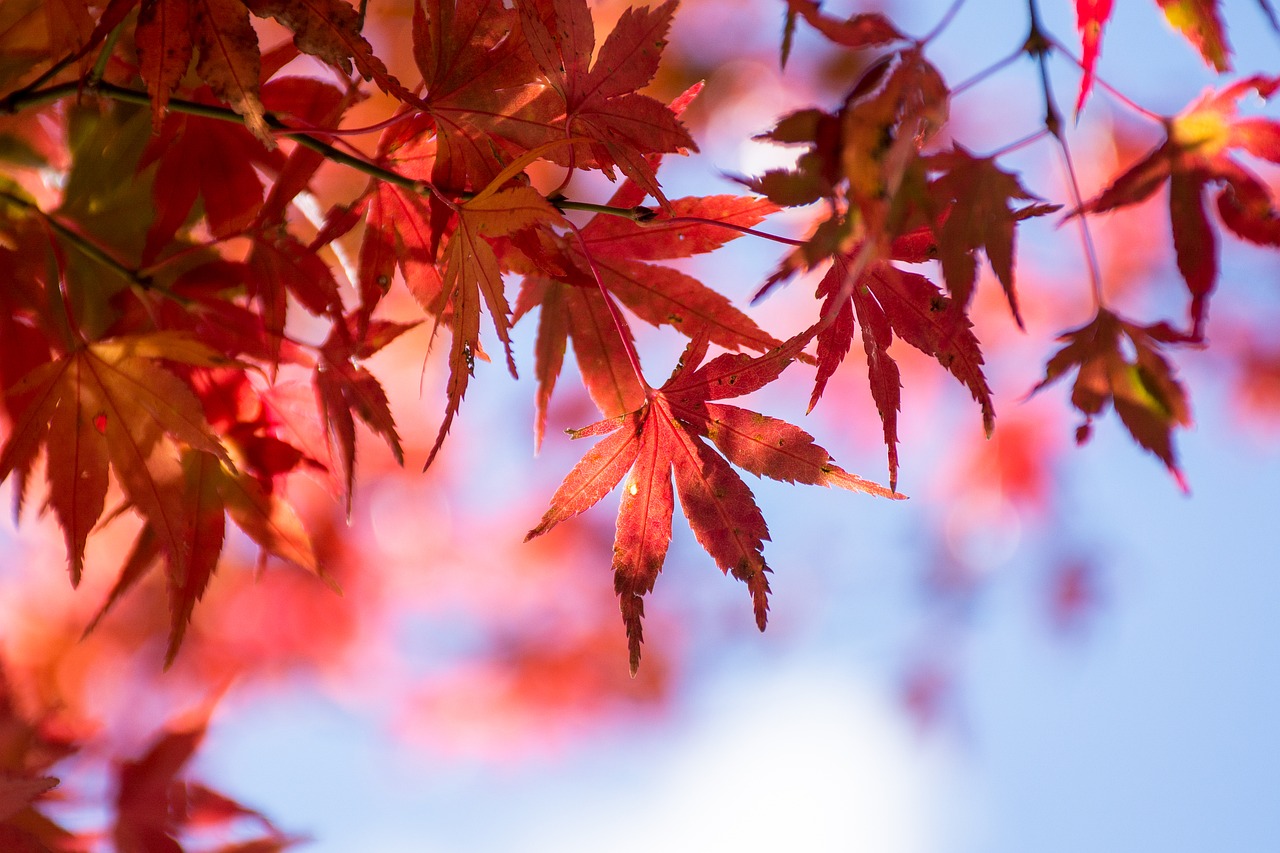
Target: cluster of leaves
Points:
(148, 343)
(156, 806)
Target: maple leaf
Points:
(111, 405)
(229, 61)
(398, 233)
(1091, 19)
(345, 387)
(668, 435)
(1199, 22)
(209, 492)
(578, 312)
(1196, 155)
(209, 159)
(885, 301)
(865, 159)
(867, 29)
(478, 74)
(278, 266)
(330, 30)
(472, 273)
(164, 42)
(618, 250)
(315, 103)
(564, 283)
(599, 100)
(156, 805)
(974, 194)
(883, 125)
(1148, 398)
(169, 32)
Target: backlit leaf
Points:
(666, 438)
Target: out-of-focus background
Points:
(1047, 648)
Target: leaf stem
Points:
(1086, 238)
(639, 213)
(1039, 46)
(741, 229)
(943, 22)
(33, 88)
(977, 78)
(1103, 84)
(1009, 148)
(104, 56)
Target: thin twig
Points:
(944, 22)
(1039, 46)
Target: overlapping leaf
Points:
(330, 30)
(973, 195)
(207, 493)
(859, 158)
(886, 300)
(618, 250)
(599, 100)
(472, 273)
(157, 807)
(112, 406)
(220, 35)
(478, 73)
(346, 389)
(207, 159)
(669, 435)
(399, 227)
(1195, 157)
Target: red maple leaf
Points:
(1195, 156)
(472, 274)
(477, 71)
(668, 434)
(598, 100)
(210, 159)
(867, 29)
(887, 300)
(1091, 19)
(619, 250)
(157, 805)
(973, 194)
(346, 389)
